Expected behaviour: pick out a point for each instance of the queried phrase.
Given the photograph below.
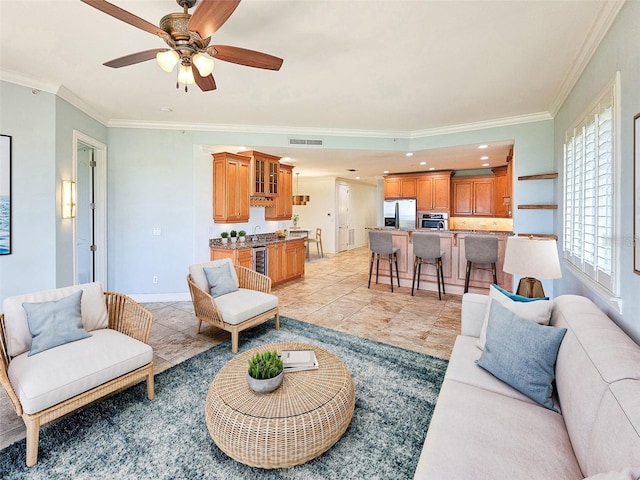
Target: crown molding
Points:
(29, 82)
(66, 94)
(608, 13)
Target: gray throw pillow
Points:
(220, 280)
(55, 323)
(522, 353)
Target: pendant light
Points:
(297, 198)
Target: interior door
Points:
(85, 218)
(343, 217)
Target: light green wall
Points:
(617, 52)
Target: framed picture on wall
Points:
(5, 195)
(636, 194)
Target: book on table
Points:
(298, 360)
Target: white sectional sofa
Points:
(484, 429)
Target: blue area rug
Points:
(127, 436)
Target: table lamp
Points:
(531, 258)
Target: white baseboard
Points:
(160, 297)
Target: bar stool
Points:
(381, 243)
(480, 249)
(426, 249)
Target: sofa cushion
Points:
(624, 474)
(538, 312)
(482, 435)
(243, 304)
(55, 323)
(92, 307)
(55, 375)
(199, 277)
(522, 353)
(220, 279)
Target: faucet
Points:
(257, 227)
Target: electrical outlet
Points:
(155, 279)
(157, 231)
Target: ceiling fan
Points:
(188, 38)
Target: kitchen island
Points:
(453, 261)
(284, 259)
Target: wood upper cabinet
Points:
(400, 187)
(502, 191)
(434, 192)
(472, 196)
(283, 203)
(230, 188)
(264, 173)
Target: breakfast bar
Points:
(452, 243)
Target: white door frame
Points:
(100, 213)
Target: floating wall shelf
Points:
(542, 176)
(538, 207)
(539, 235)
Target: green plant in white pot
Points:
(241, 235)
(296, 217)
(233, 235)
(224, 237)
(265, 371)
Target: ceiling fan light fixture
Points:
(203, 63)
(167, 60)
(185, 75)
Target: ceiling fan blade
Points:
(210, 15)
(134, 58)
(249, 58)
(126, 17)
(207, 83)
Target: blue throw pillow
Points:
(522, 353)
(220, 280)
(515, 297)
(55, 323)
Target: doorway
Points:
(343, 217)
(90, 232)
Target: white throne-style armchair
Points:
(232, 298)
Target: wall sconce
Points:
(68, 199)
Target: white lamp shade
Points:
(185, 75)
(167, 59)
(532, 257)
(203, 63)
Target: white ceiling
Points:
(395, 68)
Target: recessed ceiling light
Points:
(485, 164)
(386, 171)
(166, 109)
(357, 178)
(286, 159)
(432, 168)
(423, 163)
(484, 145)
(242, 148)
(409, 154)
(484, 158)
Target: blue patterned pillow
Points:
(220, 280)
(522, 353)
(55, 323)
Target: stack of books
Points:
(299, 360)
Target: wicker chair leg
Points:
(151, 389)
(33, 436)
(277, 321)
(199, 325)
(234, 341)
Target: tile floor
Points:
(333, 293)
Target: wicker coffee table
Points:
(302, 419)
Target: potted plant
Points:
(242, 235)
(233, 235)
(266, 371)
(296, 217)
(223, 238)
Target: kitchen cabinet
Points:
(277, 265)
(264, 173)
(472, 196)
(502, 191)
(286, 260)
(400, 187)
(295, 252)
(282, 209)
(434, 192)
(239, 256)
(230, 188)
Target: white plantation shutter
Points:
(589, 194)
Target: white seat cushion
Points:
(92, 306)
(63, 372)
(241, 305)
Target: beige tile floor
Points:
(333, 293)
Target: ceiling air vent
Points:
(303, 141)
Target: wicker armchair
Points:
(124, 316)
(214, 313)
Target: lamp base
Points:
(530, 287)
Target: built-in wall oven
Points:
(434, 221)
(259, 260)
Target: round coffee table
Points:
(302, 419)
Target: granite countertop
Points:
(260, 241)
(411, 230)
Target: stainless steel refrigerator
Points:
(400, 213)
